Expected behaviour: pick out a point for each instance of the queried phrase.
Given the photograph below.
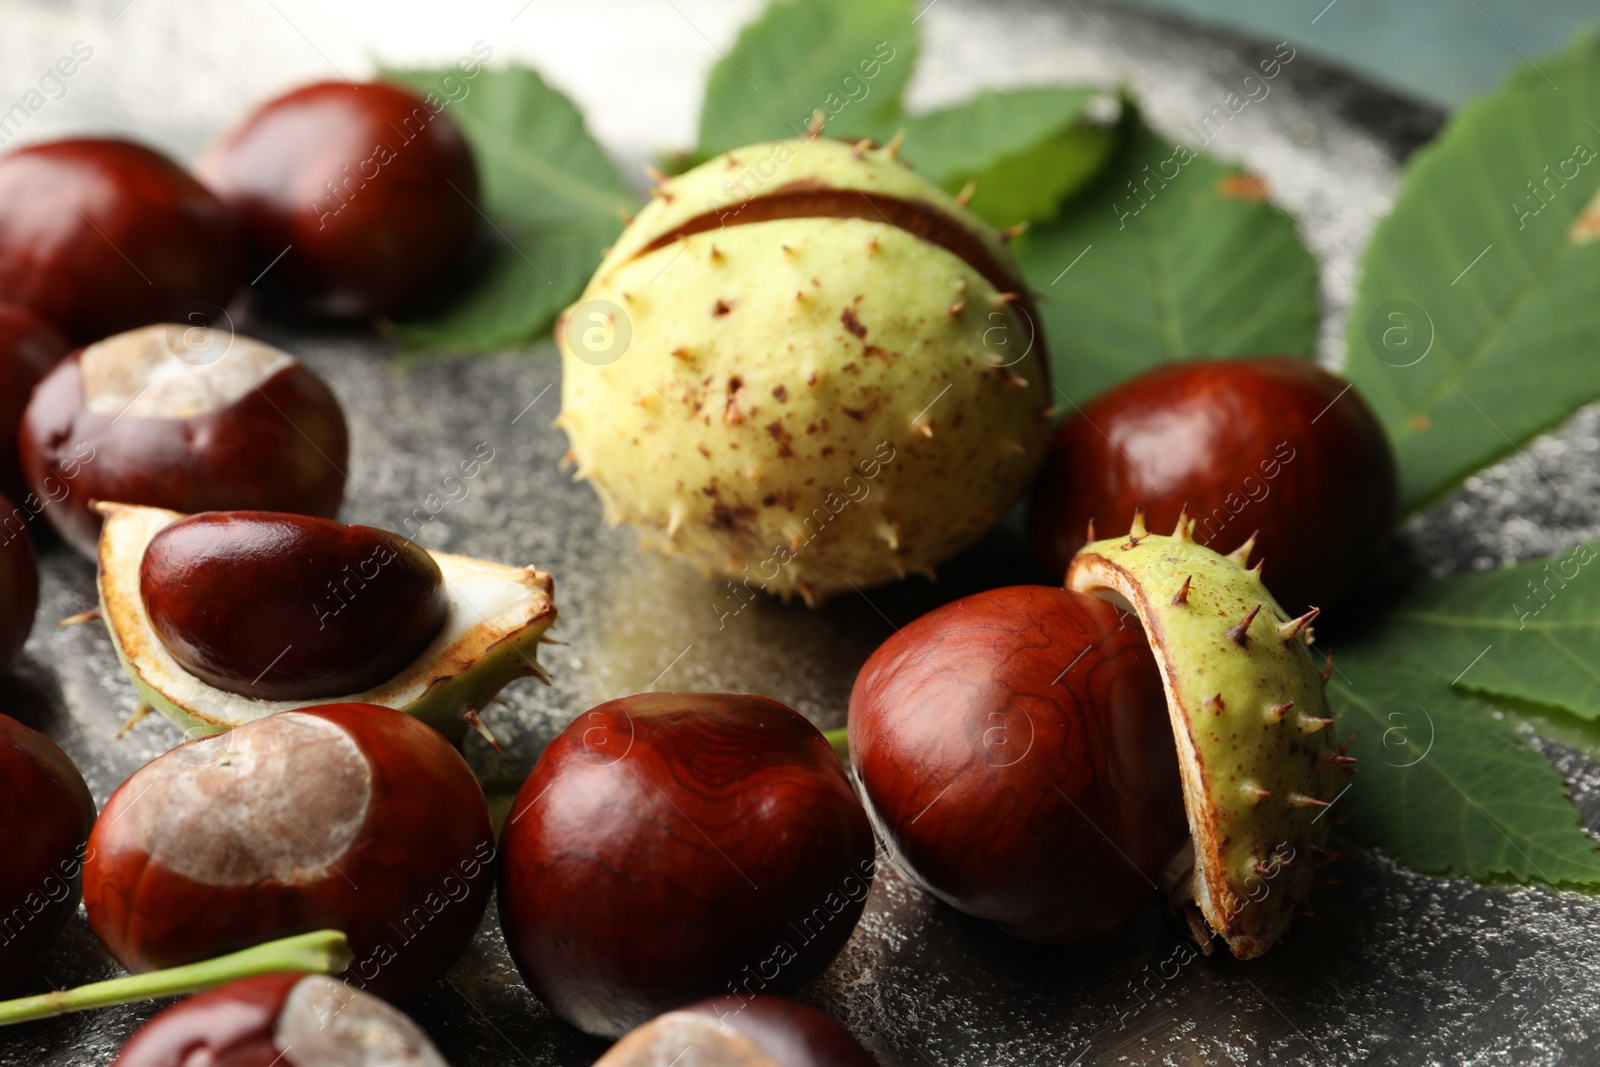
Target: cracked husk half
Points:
(1256, 749)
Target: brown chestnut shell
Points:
(19, 583)
(280, 1020)
(1272, 445)
(29, 347)
(1014, 750)
(673, 846)
(290, 607)
(45, 815)
(367, 191)
(99, 235)
(349, 817)
(280, 446)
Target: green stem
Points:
(322, 952)
(840, 740)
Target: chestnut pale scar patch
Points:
(685, 1039)
(281, 800)
(171, 371)
(326, 1023)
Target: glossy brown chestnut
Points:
(19, 583)
(45, 815)
(280, 1020)
(99, 235)
(349, 817)
(1273, 444)
(183, 418)
(368, 191)
(1014, 752)
(758, 1031)
(290, 607)
(672, 846)
(29, 347)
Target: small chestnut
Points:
(29, 347)
(758, 1031)
(1014, 752)
(19, 584)
(45, 815)
(348, 817)
(293, 1020)
(673, 846)
(99, 235)
(185, 418)
(1272, 445)
(290, 607)
(367, 191)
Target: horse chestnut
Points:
(290, 607)
(1014, 752)
(29, 347)
(297, 1020)
(19, 585)
(189, 419)
(45, 815)
(672, 846)
(99, 235)
(350, 817)
(758, 1031)
(1272, 445)
(367, 191)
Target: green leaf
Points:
(552, 198)
(1528, 634)
(1168, 255)
(1026, 150)
(1475, 324)
(1445, 785)
(850, 58)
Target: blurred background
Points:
(167, 68)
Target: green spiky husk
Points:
(1254, 736)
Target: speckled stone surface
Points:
(1398, 968)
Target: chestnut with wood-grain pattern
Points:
(348, 817)
(673, 846)
(1014, 751)
(1272, 444)
(98, 235)
(45, 815)
(282, 446)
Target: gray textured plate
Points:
(1399, 967)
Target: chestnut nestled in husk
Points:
(99, 235)
(350, 817)
(1274, 444)
(367, 192)
(290, 607)
(672, 846)
(19, 583)
(45, 815)
(184, 418)
(496, 619)
(732, 1031)
(29, 347)
(292, 1020)
(1014, 752)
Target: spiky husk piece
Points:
(1249, 716)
